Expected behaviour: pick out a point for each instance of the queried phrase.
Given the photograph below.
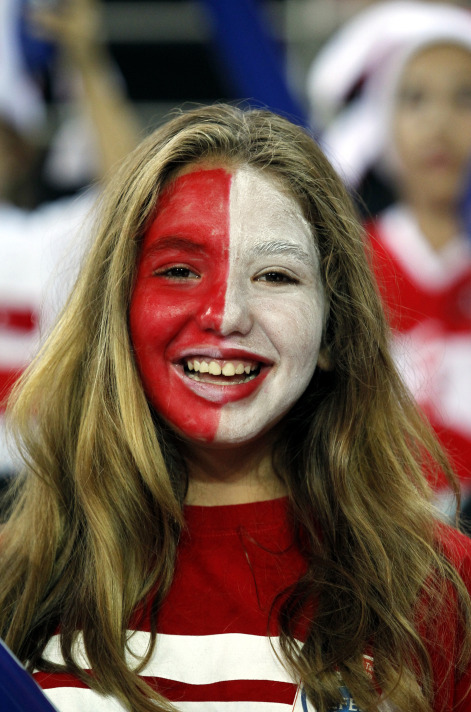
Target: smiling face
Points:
(432, 123)
(227, 312)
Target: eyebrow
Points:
(273, 247)
(175, 243)
(277, 247)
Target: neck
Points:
(237, 475)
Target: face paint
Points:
(227, 311)
(178, 300)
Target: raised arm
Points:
(75, 25)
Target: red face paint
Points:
(227, 311)
(178, 300)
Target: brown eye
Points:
(177, 272)
(277, 278)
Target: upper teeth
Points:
(229, 368)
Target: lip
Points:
(439, 160)
(224, 392)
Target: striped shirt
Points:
(213, 653)
(212, 650)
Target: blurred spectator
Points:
(40, 248)
(403, 105)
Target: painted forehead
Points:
(203, 190)
(265, 213)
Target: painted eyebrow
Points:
(175, 243)
(279, 247)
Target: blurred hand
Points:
(75, 25)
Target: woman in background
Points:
(411, 124)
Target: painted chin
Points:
(220, 388)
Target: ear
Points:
(324, 362)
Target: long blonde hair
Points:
(99, 469)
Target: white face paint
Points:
(274, 307)
(228, 308)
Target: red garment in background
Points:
(40, 254)
(427, 296)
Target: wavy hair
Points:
(99, 469)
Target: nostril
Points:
(211, 317)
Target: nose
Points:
(209, 308)
(234, 316)
(238, 315)
(210, 317)
(226, 308)
(439, 115)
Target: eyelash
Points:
(180, 272)
(280, 278)
(170, 272)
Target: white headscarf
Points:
(369, 54)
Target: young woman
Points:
(224, 504)
(422, 251)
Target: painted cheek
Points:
(168, 318)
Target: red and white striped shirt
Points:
(212, 652)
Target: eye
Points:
(177, 273)
(277, 277)
(463, 97)
(411, 97)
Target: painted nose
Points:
(211, 316)
(210, 309)
(238, 318)
(227, 309)
(234, 318)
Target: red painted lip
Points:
(224, 392)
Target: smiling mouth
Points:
(221, 372)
